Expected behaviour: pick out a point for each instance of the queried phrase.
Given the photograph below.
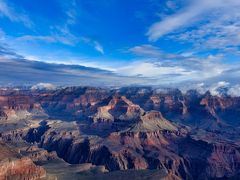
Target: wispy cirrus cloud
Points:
(62, 33)
(58, 34)
(150, 51)
(222, 36)
(145, 50)
(15, 15)
(70, 11)
(98, 47)
(66, 39)
(211, 22)
(54, 38)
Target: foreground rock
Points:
(15, 167)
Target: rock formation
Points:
(13, 166)
(189, 136)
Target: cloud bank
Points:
(16, 70)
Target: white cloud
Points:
(11, 13)
(223, 87)
(145, 50)
(181, 69)
(43, 86)
(215, 89)
(234, 91)
(149, 69)
(71, 12)
(36, 38)
(55, 38)
(60, 33)
(70, 9)
(67, 39)
(98, 47)
(220, 88)
(185, 71)
(193, 14)
(220, 35)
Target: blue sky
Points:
(149, 41)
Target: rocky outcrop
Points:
(13, 166)
(151, 122)
(20, 169)
(118, 108)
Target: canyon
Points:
(88, 132)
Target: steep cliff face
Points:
(73, 102)
(210, 160)
(223, 109)
(19, 106)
